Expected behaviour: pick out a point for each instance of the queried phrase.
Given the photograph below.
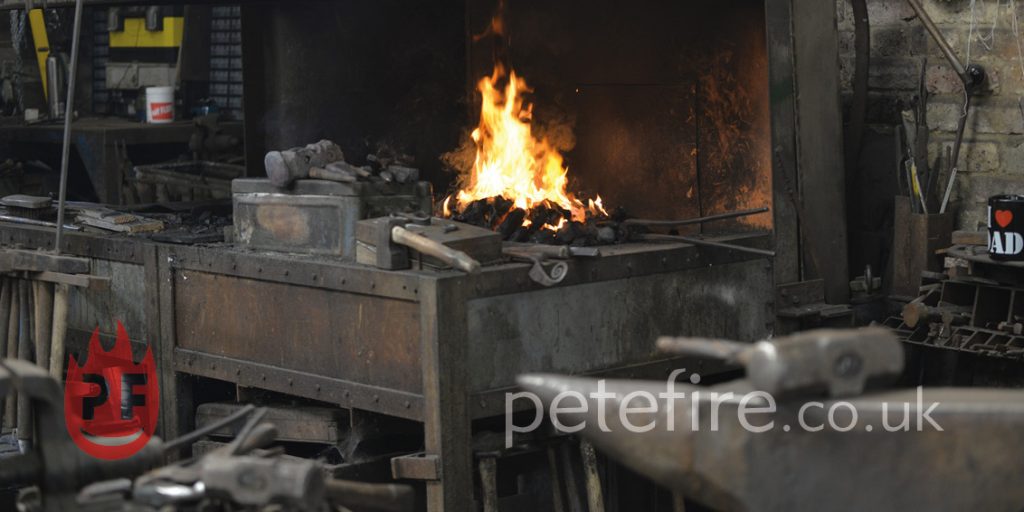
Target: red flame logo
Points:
(111, 403)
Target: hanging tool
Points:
(972, 77)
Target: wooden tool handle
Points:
(424, 245)
(60, 329)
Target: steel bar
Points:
(695, 220)
(707, 243)
(69, 114)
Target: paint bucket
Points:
(1006, 227)
(160, 104)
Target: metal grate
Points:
(226, 60)
(100, 57)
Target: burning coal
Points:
(513, 167)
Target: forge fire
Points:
(518, 182)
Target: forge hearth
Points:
(667, 110)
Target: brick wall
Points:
(992, 157)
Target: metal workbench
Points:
(94, 139)
(437, 347)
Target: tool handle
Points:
(424, 245)
(321, 173)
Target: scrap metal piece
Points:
(840, 362)
(788, 457)
(543, 276)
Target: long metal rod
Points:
(708, 243)
(69, 113)
(695, 220)
(940, 40)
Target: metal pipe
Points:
(947, 50)
(695, 220)
(69, 113)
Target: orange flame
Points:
(512, 163)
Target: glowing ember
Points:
(512, 163)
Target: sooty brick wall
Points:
(982, 32)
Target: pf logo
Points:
(111, 403)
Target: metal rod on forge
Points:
(707, 243)
(696, 220)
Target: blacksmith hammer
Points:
(393, 241)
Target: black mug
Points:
(1006, 227)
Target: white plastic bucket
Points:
(160, 104)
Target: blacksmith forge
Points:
(676, 110)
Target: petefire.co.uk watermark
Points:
(642, 411)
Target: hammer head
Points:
(375, 246)
(284, 167)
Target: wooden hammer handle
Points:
(424, 245)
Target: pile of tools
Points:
(552, 226)
(34, 296)
(39, 211)
(324, 160)
(919, 180)
(247, 473)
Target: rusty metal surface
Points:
(333, 334)
(612, 323)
